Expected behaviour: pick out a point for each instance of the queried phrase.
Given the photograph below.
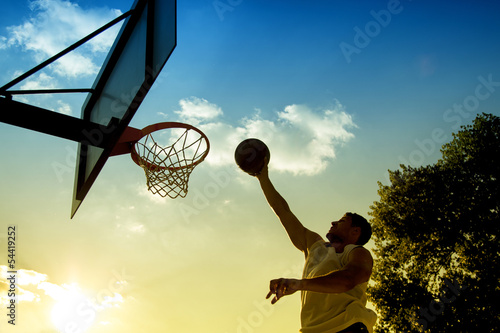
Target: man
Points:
(336, 273)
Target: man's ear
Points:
(356, 232)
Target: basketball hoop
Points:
(169, 158)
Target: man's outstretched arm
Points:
(301, 237)
(357, 271)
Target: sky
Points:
(340, 91)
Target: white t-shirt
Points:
(326, 312)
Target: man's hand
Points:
(282, 287)
(264, 172)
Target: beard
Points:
(334, 238)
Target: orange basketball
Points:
(250, 156)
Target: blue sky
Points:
(340, 91)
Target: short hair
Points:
(366, 228)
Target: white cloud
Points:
(74, 65)
(3, 42)
(70, 299)
(72, 307)
(56, 24)
(42, 81)
(64, 108)
(143, 191)
(222, 137)
(196, 110)
(27, 296)
(55, 291)
(27, 277)
(112, 301)
(301, 140)
(319, 135)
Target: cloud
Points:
(56, 24)
(3, 43)
(69, 302)
(301, 140)
(44, 81)
(311, 138)
(195, 110)
(112, 301)
(64, 108)
(27, 277)
(23, 278)
(41, 81)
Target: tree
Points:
(436, 239)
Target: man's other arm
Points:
(358, 270)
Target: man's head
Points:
(351, 228)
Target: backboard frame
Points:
(150, 23)
(148, 15)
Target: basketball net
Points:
(168, 166)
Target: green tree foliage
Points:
(436, 239)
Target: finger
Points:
(273, 284)
(283, 286)
(274, 288)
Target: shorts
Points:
(355, 328)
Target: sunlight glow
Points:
(73, 312)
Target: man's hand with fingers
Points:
(283, 287)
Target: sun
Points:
(73, 312)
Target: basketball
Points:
(250, 156)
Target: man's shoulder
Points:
(359, 253)
(353, 248)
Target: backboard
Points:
(145, 42)
(141, 49)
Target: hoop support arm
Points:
(53, 123)
(129, 137)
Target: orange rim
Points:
(161, 126)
